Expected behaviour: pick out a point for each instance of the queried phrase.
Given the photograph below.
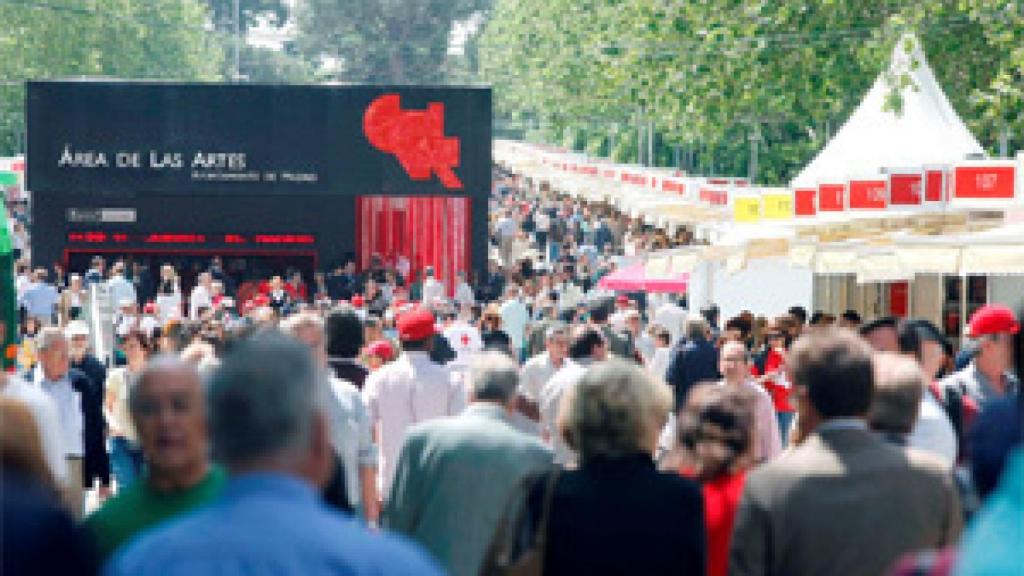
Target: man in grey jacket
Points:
(456, 474)
(843, 502)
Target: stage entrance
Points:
(411, 233)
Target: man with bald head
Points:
(270, 429)
(168, 409)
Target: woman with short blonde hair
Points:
(616, 514)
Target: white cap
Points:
(76, 328)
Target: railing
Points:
(101, 318)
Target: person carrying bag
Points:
(520, 542)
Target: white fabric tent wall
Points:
(926, 131)
(766, 287)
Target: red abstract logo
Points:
(415, 137)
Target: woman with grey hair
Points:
(617, 514)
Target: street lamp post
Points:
(238, 40)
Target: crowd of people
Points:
(525, 422)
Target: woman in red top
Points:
(770, 367)
(715, 431)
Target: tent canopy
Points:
(926, 131)
(634, 278)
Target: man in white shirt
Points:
(734, 364)
(23, 281)
(433, 289)
(506, 230)
(463, 291)
(409, 390)
(201, 296)
(569, 294)
(588, 346)
(52, 377)
(350, 423)
(542, 223)
(932, 432)
(537, 371)
(671, 316)
(119, 287)
(514, 318)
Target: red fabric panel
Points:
(832, 197)
(905, 189)
(984, 182)
(899, 299)
(933, 190)
(867, 194)
(804, 201)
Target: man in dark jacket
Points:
(694, 359)
(619, 343)
(493, 286)
(89, 377)
(343, 283)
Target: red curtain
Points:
(428, 231)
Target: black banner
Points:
(91, 136)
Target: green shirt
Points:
(139, 507)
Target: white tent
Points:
(926, 131)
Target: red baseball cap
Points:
(416, 324)
(381, 349)
(992, 319)
(622, 299)
(358, 301)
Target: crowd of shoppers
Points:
(379, 422)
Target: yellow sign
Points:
(747, 209)
(778, 206)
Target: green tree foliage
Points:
(256, 63)
(98, 38)
(385, 41)
(270, 65)
(711, 75)
(222, 13)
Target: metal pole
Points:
(640, 144)
(755, 139)
(650, 143)
(238, 40)
(1004, 141)
(963, 305)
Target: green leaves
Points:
(386, 41)
(112, 38)
(708, 72)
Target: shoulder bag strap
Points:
(545, 515)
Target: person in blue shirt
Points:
(40, 298)
(267, 407)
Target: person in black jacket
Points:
(89, 376)
(694, 359)
(344, 341)
(617, 514)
